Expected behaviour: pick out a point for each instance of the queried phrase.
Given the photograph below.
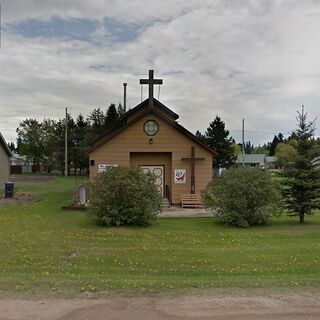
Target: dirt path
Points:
(298, 306)
(19, 198)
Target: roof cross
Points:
(151, 82)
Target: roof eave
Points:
(5, 146)
(141, 104)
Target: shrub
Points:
(124, 196)
(243, 197)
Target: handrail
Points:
(167, 193)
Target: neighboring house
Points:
(149, 137)
(17, 160)
(316, 162)
(5, 154)
(20, 164)
(271, 162)
(251, 160)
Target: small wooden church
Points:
(149, 137)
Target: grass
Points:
(46, 250)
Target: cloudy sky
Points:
(252, 59)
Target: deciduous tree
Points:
(285, 154)
(32, 141)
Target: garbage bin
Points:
(9, 186)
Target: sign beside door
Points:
(180, 176)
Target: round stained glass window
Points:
(151, 127)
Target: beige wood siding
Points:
(4, 167)
(167, 140)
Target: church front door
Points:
(158, 171)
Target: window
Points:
(151, 127)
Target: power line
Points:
(229, 118)
(256, 131)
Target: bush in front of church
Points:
(124, 196)
(244, 197)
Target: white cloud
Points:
(133, 11)
(252, 59)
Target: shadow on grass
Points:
(293, 221)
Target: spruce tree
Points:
(303, 180)
(276, 140)
(218, 139)
(112, 116)
(201, 136)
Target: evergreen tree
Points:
(201, 136)
(81, 159)
(11, 146)
(97, 121)
(276, 140)
(120, 110)
(218, 139)
(112, 117)
(303, 180)
(248, 147)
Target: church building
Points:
(149, 137)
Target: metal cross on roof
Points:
(151, 82)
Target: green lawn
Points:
(45, 249)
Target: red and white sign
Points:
(180, 176)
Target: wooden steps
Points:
(165, 203)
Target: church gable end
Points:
(150, 138)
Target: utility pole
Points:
(243, 142)
(66, 145)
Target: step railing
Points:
(168, 193)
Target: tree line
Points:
(43, 142)
(285, 149)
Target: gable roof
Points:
(156, 103)
(271, 159)
(123, 126)
(251, 158)
(4, 145)
(124, 118)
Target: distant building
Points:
(251, 160)
(20, 164)
(271, 162)
(5, 155)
